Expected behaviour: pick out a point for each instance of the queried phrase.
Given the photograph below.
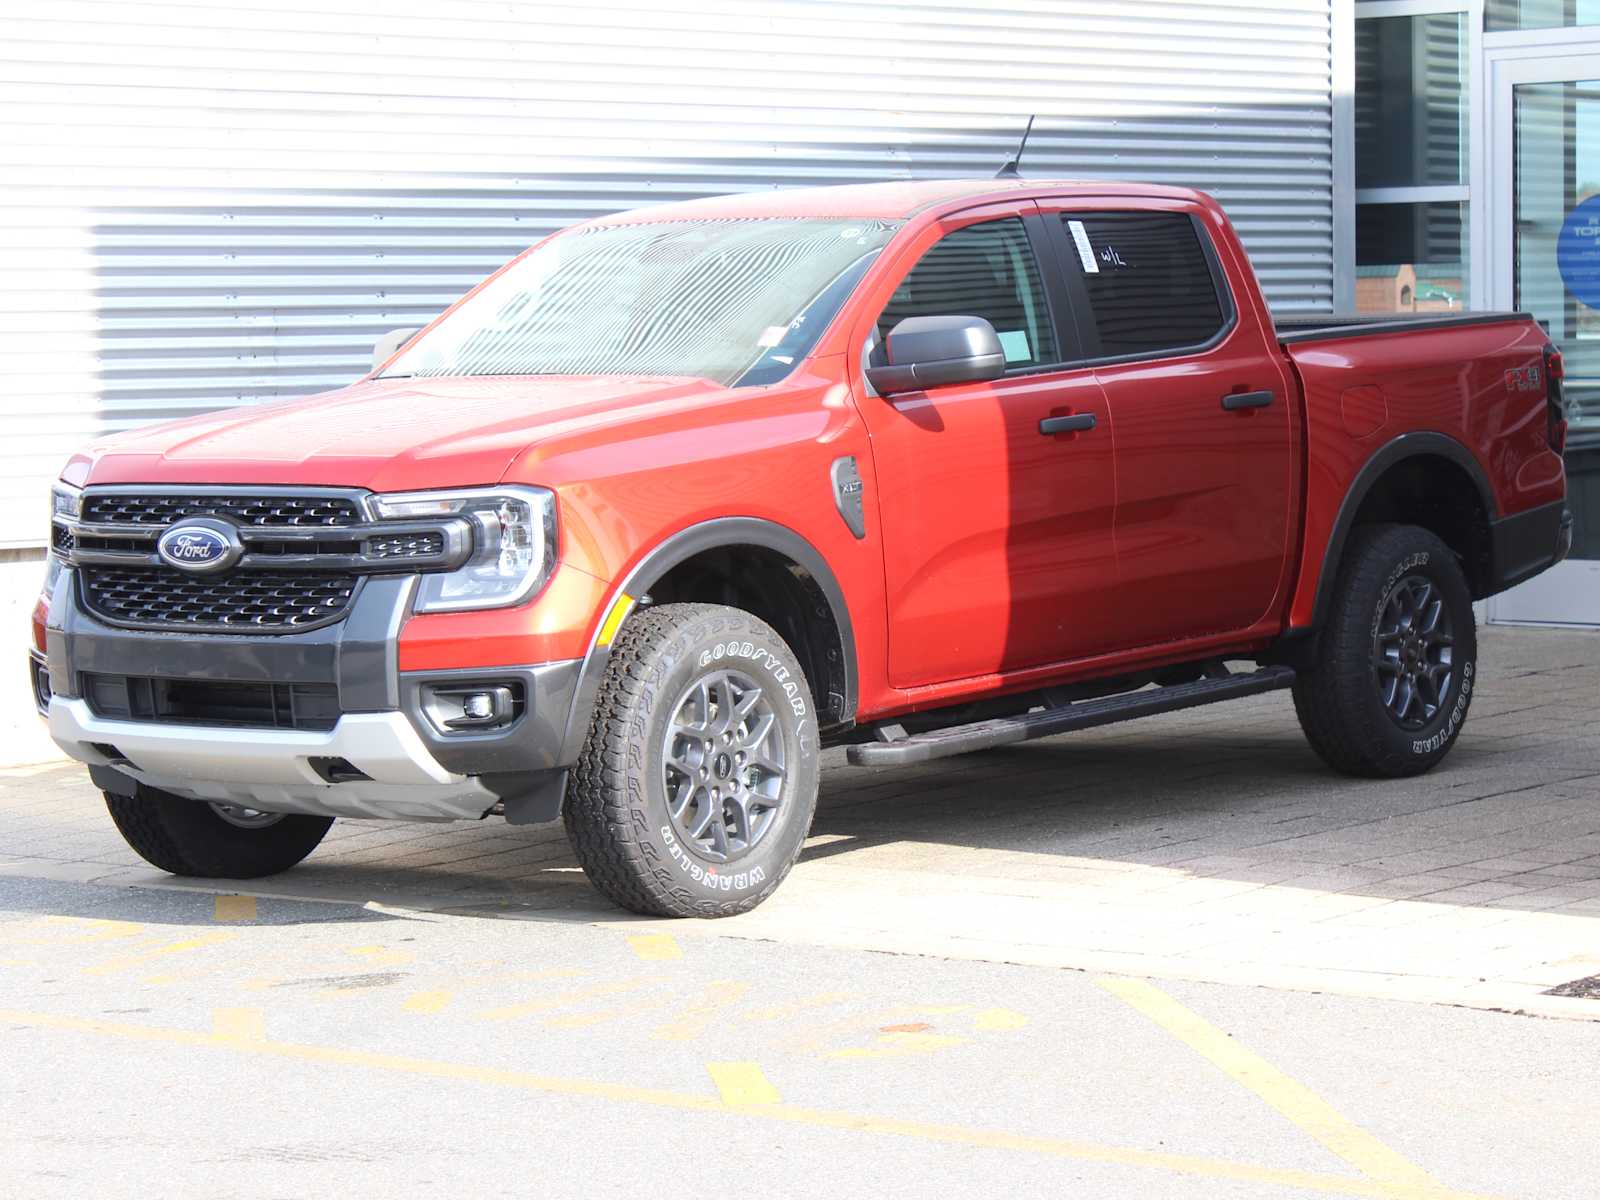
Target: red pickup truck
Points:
(682, 496)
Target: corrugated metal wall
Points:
(209, 203)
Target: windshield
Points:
(735, 301)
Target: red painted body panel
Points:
(996, 559)
(1447, 381)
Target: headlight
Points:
(64, 502)
(513, 544)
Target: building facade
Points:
(211, 203)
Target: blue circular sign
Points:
(1578, 252)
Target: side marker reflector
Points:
(614, 618)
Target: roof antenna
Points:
(1013, 169)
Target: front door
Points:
(1545, 172)
(998, 548)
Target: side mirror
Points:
(924, 352)
(385, 346)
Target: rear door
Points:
(998, 548)
(1202, 413)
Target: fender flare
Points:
(1398, 450)
(679, 548)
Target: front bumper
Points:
(384, 756)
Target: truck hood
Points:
(384, 434)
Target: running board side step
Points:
(1084, 714)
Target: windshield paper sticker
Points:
(1085, 251)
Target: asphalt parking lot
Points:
(1170, 958)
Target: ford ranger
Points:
(680, 497)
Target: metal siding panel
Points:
(212, 204)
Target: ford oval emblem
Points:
(201, 546)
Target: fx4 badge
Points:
(1525, 379)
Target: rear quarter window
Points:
(1150, 284)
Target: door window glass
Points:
(1149, 281)
(1539, 14)
(985, 270)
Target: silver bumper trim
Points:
(271, 769)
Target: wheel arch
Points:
(1387, 483)
(802, 592)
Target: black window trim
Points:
(1058, 305)
(1071, 272)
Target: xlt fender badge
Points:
(847, 489)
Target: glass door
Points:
(1545, 168)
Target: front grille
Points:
(246, 601)
(62, 540)
(113, 508)
(405, 545)
(213, 702)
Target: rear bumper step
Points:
(1085, 714)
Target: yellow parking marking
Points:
(124, 962)
(656, 947)
(613, 622)
(244, 1024)
(583, 1020)
(1397, 1175)
(97, 929)
(899, 1045)
(998, 1019)
(692, 1021)
(855, 1122)
(544, 1004)
(742, 1084)
(427, 1003)
(235, 908)
(796, 1008)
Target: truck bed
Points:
(1313, 327)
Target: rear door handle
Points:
(1076, 423)
(1246, 400)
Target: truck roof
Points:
(885, 201)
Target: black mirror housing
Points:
(925, 352)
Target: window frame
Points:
(1072, 274)
(1057, 304)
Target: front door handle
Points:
(1076, 423)
(1240, 400)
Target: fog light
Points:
(471, 709)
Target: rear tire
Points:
(697, 784)
(192, 837)
(1396, 662)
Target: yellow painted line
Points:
(235, 908)
(243, 1024)
(861, 1123)
(797, 1007)
(614, 618)
(742, 1084)
(544, 1004)
(122, 963)
(693, 1021)
(899, 1045)
(656, 947)
(1398, 1176)
(428, 1003)
(1001, 1019)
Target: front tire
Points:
(697, 784)
(1396, 663)
(212, 841)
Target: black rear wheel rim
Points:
(1413, 652)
